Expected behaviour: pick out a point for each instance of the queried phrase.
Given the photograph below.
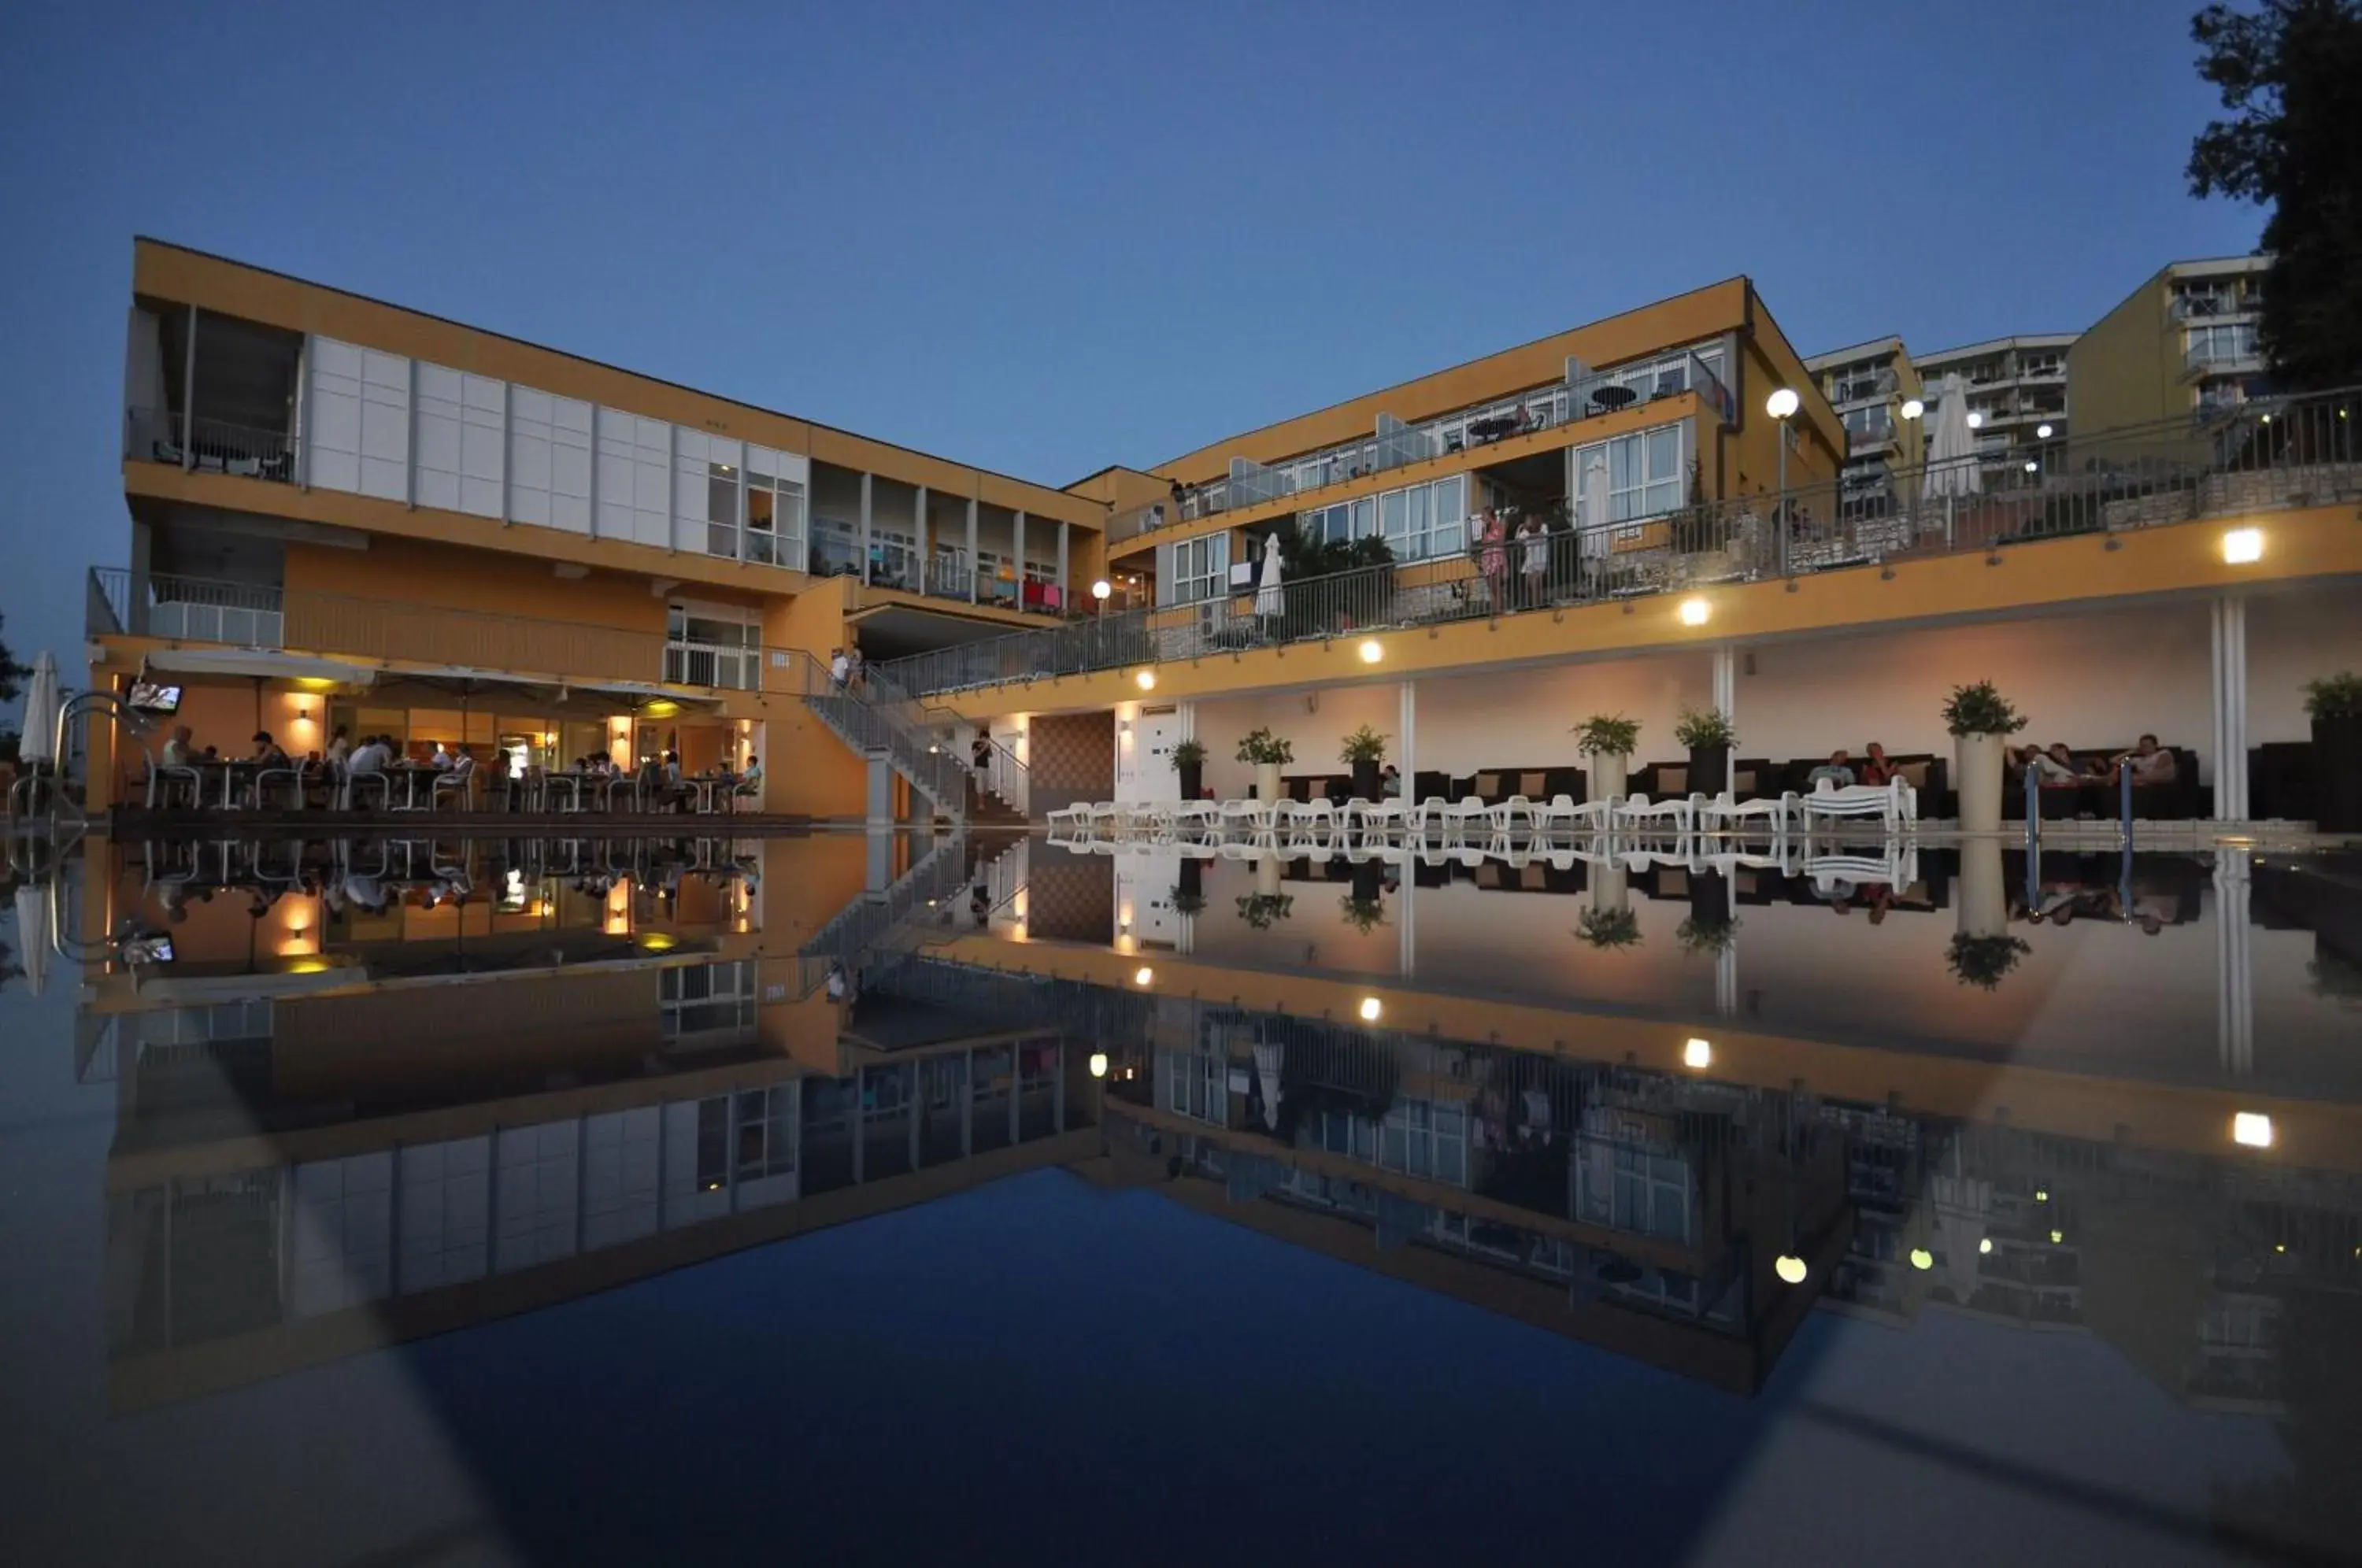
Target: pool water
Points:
(862, 1198)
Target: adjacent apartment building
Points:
(2182, 345)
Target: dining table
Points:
(1611, 398)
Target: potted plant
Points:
(2336, 703)
(1188, 901)
(1259, 909)
(1268, 752)
(1189, 762)
(1364, 915)
(1982, 961)
(1709, 737)
(1979, 717)
(1608, 741)
(1706, 935)
(1363, 750)
(1609, 928)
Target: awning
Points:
(458, 676)
(260, 664)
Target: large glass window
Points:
(1641, 473)
(1427, 520)
(722, 511)
(2224, 341)
(1201, 569)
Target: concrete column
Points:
(1726, 698)
(2235, 1000)
(919, 529)
(971, 552)
(143, 542)
(1016, 555)
(864, 542)
(2230, 672)
(1407, 759)
(1062, 565)
(188, 423)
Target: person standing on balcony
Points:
(1492, 559)
(1533, 548)
(852, 669)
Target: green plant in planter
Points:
(1364, 915)
(1980, 710)
(1697, 731)
(1259, 909)
(1982, 961)
(1609, 736)
(1188, 903)
(1260, 746)
(1609, 928)
(2335, 696)
(1364, 745)
(1188, 754)
(1708, 936)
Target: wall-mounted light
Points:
(1098, 1064)
(2253, 1128)
(1144, 976)
(1145, 681)
(1696, 612)
(1371, 650)
(1790, 1268)
(1697, 1054)
(1371, 1009)
(2243, 547)
(1984, 1245)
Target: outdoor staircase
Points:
(883, 927)
(989, 810)
(878, 721)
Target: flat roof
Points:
(602, 364)
(1889, 344)
(1995, 345)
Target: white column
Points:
(1725, 976)
(919, 529)
(1016, 555)
(864, 545)
(1726, 698)
(971, 550)
(2234, 1003)
(1062, 564)
(2230, 673)
(1406, 760)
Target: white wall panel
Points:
(569, 464)
(385, 425)
(444, 1213)
(482, 463)
(538, 1194)
(333, 434)
(532, 442)
(436, 428)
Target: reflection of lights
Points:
(1098, 1064)
(1697, 1054)
(2041, 1195)
(2243, 547)
(1371, 1009)
(1984, 1244)
(1920, 1258)
(309, 966)
(2280, 1246)
(2252, 1128)
(1790, 1268)
(2057, 1237)
(1144, 976)
(657, 942)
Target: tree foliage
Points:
(11, 673)
(2290, 75)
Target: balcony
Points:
(1868, 438)
(208, 446)
(1863, 387)
(1395, 445)
(2217, 305)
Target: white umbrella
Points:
(33, 935)
(1269, 1060)
(1962, 1205)
(1952, 466)
(40, 738)
(1269, 601)
(1593, 514)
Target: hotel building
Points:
(2182, 345)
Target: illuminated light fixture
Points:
(1696, 612)
(1100, 589)
(1697, 1054)
(2032, 467)
(1144, 976)
(1098, 1064)
(1913, 408)
(2041, 1195)
(2280, 1246)
(1984, 1244)
(1920, 1258)
(309, 966)
(2267, 419)
(657, 942)
(1145, 681)
(1371, 1009)
(1782, 402)
(1790, 1267)
(2057, 1237)
(2042, 433)
(2253, 1128)
(2243, 547)
(662, 708)
(1371, 651)
(1976, 420)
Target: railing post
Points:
(2033, 808)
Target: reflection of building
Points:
(295, 1179)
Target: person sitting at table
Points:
(750, 779)
(373, 757)
(1837, 772)
(442, 758)
(177, 752)
(1390, 782)
(1877, 770)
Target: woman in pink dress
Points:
(1494, 562)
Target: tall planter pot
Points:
(1192, 778)
(1982, 897)
(1709, 770)
(1710, 899)
(1608, 775)
(1977, 763)
(1369, 882)
(2337, 774)
(1193, 878)
(1267, 787)
(1366, 779)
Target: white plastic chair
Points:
(1380, 817)
(1457, 816)
(1778, 810)
(1256, 815)
(1641, 811)
(1883, 802)
(1504, 817)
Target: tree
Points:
(10, 672)
(2292, 76)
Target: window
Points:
(1869, 422)
(1199, 1086)
(1632, 1187)
(706, 997)
(722, 511)
(1201, 569)
(1427, 520)
(766, 1143)
(2222, 343)
(1641, 473)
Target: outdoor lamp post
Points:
(1782, 405)
(1100, 591)
(1913, 411)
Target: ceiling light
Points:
(2253, 1128)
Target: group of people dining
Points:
(658, 783)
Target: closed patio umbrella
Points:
(1952, 466)
(41, 738)
(1591, 515)
(1269, 600)
(33, 935)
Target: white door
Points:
(1154, 736)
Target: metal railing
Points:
(1462, 429)
(185, 609)
(1863, 386)
(212, 445)
(924, 756)
(2277, 452)
(857, 931)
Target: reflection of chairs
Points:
(1893, 803)
(1722, 810)
(1639, 812)
(264, 781)
(166, 780)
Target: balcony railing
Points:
(2310, 453)
(1862, 387)
(1462, 429)
(212, 445)
(185, 609)
(1871, 437)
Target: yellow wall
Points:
(167, 272)
(2122, 370)
(482, 580)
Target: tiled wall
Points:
(1070, 758)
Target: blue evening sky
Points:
(1043, 237)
